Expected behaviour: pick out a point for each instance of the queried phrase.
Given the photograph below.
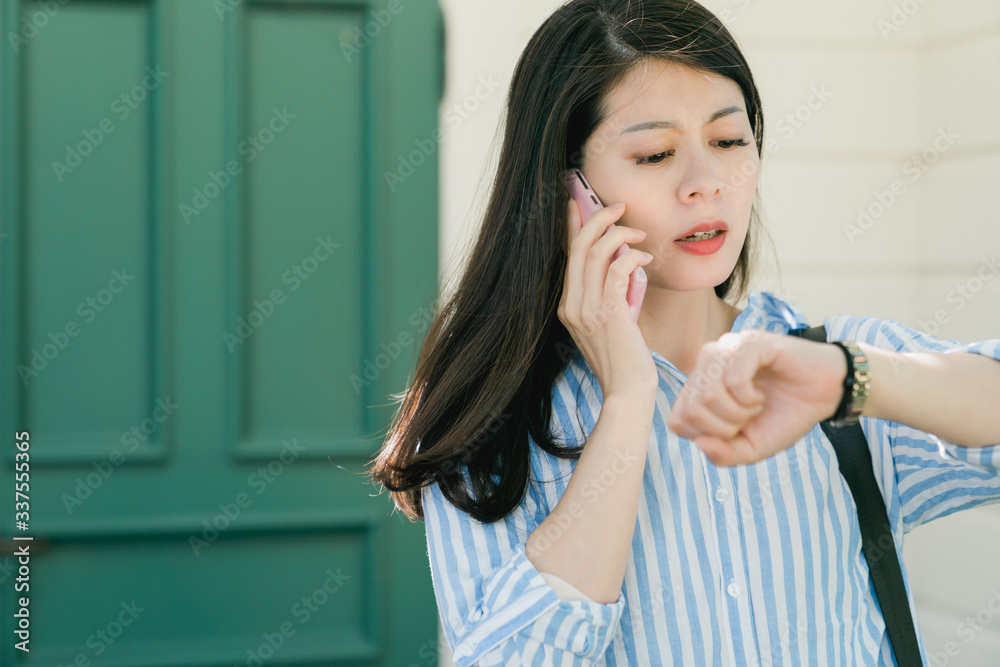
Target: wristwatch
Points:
(857, 385)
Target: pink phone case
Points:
(589, 202)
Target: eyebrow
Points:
(669, 124)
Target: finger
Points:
(692, 420)
(582, 237)
(602, 222)
(616, 285)
(637, 290)
(599, 259)
(720, 402)
(719, 451)
(640, 234)
(583, 240)
(630, 240)
(573, 222)
(716, 450)
(708, 386)
(735, 451)
(747, 357)
(706, 402)
(597, 224)
(615, 241)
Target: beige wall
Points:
(890, 97)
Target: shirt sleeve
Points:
(933, 477)
(495, 607)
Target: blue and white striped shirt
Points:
(746, 565)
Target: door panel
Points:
(203, 259)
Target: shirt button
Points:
(734, 589)
(721, 494)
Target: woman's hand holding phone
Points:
(589, 203)
(593, 303)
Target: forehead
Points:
(658, 90)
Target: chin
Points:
(689, 284)
(708, 277)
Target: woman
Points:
(600, 490)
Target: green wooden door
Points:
(214, 232)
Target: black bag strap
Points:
(877, 544)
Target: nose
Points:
(700, 176)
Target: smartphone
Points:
(589, 202)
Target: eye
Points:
(660, 157)
(652, 159)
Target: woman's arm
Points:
(954, 396)
(587, 537)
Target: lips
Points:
(705, 227)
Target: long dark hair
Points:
(484, 378)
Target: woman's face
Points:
(674, 177)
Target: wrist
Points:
(856, 383)
(641, 392)
(631, 402)
(881, 363)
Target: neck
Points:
(676, 324)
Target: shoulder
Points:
(894, 335)
(775, 312)
(772, 312)
(886, 333)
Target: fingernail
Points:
(617, 207)
(648, 256)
